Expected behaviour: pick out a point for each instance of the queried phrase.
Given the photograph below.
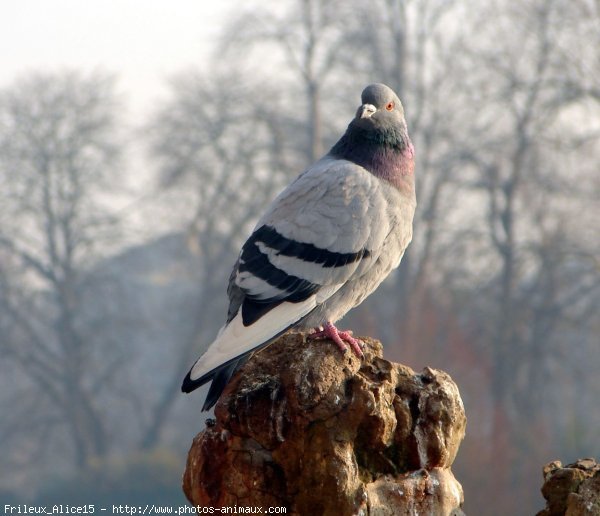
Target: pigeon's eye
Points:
(389, 106)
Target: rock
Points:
(572, 490)
(321, 432)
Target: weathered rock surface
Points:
(571, 490)
(320, 432)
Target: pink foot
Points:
(329, 331)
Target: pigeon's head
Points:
(381, 114)
(377, 139)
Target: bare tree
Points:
(516, 157)
(516, 154)
(58, 152)
(310, 35)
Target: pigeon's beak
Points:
(366, 110)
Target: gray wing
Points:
(325, 228)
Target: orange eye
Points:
(390, 106)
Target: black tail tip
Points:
(188, 384)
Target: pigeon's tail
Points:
(220, 378)
(235, 343)
(220, 375)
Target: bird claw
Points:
(340, 338)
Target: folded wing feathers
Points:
(275, 284)
(289, 266)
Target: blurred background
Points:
(139, 142)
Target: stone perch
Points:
(320, 432)
(571, 490)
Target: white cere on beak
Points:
(367, 110)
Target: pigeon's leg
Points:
(329, 331)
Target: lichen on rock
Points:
(320, 432)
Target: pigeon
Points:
(323, 245)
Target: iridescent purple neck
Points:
(388, 156)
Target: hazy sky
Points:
(143, 41)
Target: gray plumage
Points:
(324, 244)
